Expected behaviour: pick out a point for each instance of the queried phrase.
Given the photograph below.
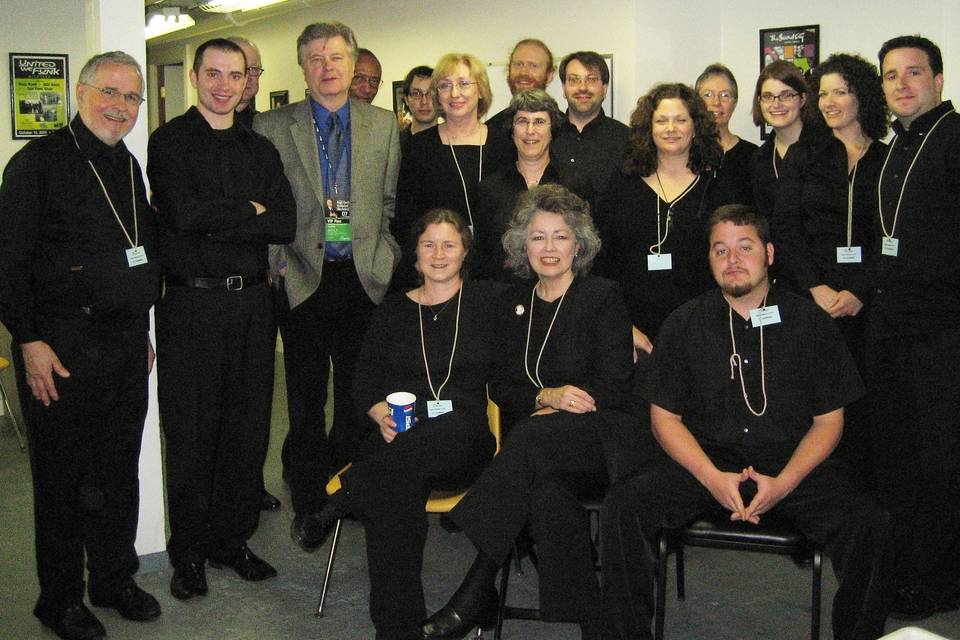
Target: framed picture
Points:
(39, 94)
(279, 98)
(799, 45)
(398, 104)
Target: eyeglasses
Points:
(255, 72)
(575, 80)
(132, 99)
(371, 81)
(723, 96)
(835, 93)
(419, 96)
(538, 123)
(786, 97)
(446, 86)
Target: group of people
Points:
(599, 282)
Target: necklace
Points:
(437, 313)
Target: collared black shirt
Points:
(246, 116)
(918, 291)
(203, 181)
(60, 243)
(732, 183)
(808, 372)
(593, 155)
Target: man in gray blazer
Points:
(342, 158)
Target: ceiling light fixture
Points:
(229, 6)
(167, 20)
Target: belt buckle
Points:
(234, 283)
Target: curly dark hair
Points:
(705, 149)
(864, 81)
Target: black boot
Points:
(474, 603)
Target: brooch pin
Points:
(519, 310)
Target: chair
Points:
(719, 532)
(591, 504)
(439, 502)
(4, 364)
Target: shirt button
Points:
(745, 430)
(573, 159)
(746, 362)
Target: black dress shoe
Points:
(131, 602)
(311, 531)
(269, 502)
(188, 581)
(448, 623)
(246, 563)
(76, 622)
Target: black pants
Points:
(215, 352)
(388, 489)
(327, 326)
(825, 506)
(546, 464)
(915, 437)
(84, 453)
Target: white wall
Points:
(651, 40)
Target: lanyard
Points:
(526, 351)
(853, 179)
(463, 183)
(133, 192)
(453, 350)
(903, 187)
(735, 362)
(655, 248)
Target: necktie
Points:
(334, 141)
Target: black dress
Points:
(430, 178)
(389, 486)
(627, 221)
(548, 461)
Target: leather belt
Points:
(230, 283)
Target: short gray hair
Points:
(89, 70)
(324, 30)
(550, 198)
(536, 100)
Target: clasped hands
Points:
(726, 488)
(565, 398)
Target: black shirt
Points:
(810, 215)
(627, 221)
(808, 372)
(501, 126)
(203, 182)
(732, 183)
(593, 155)
(918, 291)
(589, 346)
(764, 177)
(392, 357)
(60, 243)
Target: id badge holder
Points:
(136, 256)
(659, 262)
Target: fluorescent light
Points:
(229, 6)
(166, 21)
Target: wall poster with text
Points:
(799, 45)
(39, 94)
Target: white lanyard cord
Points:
(655, 248)
(903, 187)
(776, 174)
(735, 362)
(853, 179)
(134, 243)
(526, 351)
(453, 349)
(463, 183)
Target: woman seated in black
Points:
(535, 118)
(434, 341)
(562, 382)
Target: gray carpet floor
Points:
(729, 595)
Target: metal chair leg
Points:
(13, 419)
(815, 608)
(661, 601)
(326, 574)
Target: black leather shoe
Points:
(76, 622)
(188, 581)
(269, 502)
(246, 563)
(131, 602)
(448, 623)
(311, 531)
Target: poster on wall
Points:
(799, 45)
(39, 94)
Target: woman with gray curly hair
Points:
(562, 383)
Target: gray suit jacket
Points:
(375, 164)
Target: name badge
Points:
(659, 262)
(439, 407)
(890, 246)
(764, 316)
(136, 256)
(849, 255)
